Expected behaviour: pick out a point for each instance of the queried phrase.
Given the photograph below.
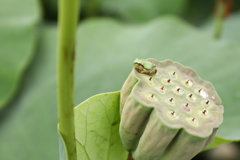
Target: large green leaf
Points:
(105, 53)
(28, 127)
(97, 125)
(18, 21)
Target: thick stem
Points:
(67, 22)
(219, 18)
(223, 8)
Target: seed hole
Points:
(167, 81)
(150, 79)
(173, 74)
(188, 82)
(172, 115)
(204, 112)
(178, 89)
(151, 97)
(162, 90)
(170, 101)
(201, 92)
(186, 107)
(206, 103)
(191, 97)
(193, 121)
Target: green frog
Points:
(145, 67)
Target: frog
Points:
(145, 67)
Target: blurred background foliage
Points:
(134, 28)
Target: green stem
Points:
(220, 10)
(67, 23)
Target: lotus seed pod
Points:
(167, 111)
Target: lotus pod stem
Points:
(167, 111)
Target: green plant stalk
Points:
(220, 9)
(67, 23)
